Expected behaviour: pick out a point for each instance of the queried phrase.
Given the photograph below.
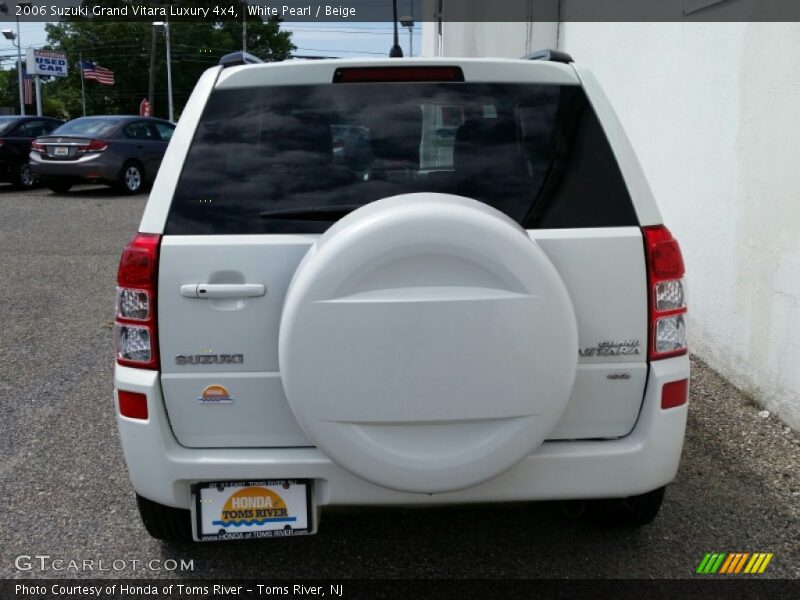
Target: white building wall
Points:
(713, 111)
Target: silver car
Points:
(122, 151)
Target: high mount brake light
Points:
(135, 324)
(666, 294)
(397, 74)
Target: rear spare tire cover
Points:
(427, 344)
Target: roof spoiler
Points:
(234, 59)
(549, 55)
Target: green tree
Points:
(9, 94)
(124, 47)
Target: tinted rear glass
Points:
(535, 152)
(7, 124)
(87, 126)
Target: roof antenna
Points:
(396, 51)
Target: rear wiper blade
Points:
(311, 213)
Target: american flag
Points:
(94, 71)
(27, 86)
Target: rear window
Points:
(7, 125)
(87, 126)
(263, 157)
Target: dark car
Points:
(16, 135)
(122, 151)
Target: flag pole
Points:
(83, 91)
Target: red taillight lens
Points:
(137, 267)
(666, 293)
(397, 74)
(675, 393)
(132, 404)
(666, 261)
(95, 146)
(135, 326)
(37, 147)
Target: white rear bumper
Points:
(162, 470)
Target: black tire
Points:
(131, 178)
(24, 179)
(640, 510)
(165, 522)
(59, 187)
(634, 511)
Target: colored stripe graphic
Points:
(734, 563)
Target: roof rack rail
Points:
(234, 59)
(550, 55)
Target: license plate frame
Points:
(257, 514)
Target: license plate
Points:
(234, 510)
(61, 151)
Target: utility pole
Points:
(244, 25)
(169, 74)
(165, 25)
(151, 90)
(19, 72)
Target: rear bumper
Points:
(93, 167)
(162, 470)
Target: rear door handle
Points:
(223, 290)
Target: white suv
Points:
(397, 282)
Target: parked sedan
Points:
(122, 151)
(16, 135)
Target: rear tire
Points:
(59, 187)
(640, 510)
(634, 511)
(24, 178)
(165, 522)
(131, 178)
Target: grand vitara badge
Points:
(209, 359)
(611, 348)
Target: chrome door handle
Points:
(223, 290)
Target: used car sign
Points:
(46, 62)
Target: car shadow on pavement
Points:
(500, 540)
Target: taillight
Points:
(135, 312)
(37, 147)
(95, 146)
(666, 293)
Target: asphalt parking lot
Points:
(65, 490)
